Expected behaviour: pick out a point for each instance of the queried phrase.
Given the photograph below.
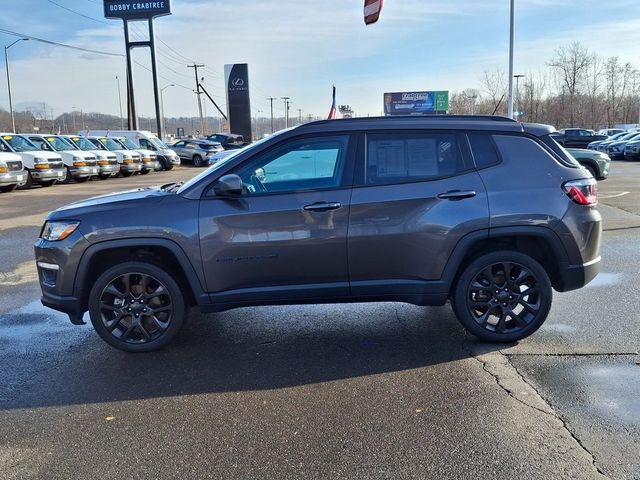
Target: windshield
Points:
(19, 144)
(59, 144)
(128, 143)
(111, 144)
(84, 144)
(158, 143)
(215, 167)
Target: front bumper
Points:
(110, 169)
(171, 159)
(18, 177)
(49, 174)
(130, 167)
(82, 172)
(631, 155)
(150, 165)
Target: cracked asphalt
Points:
(335, 391)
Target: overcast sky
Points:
(300, 48)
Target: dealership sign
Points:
(136, 9)
(238, 101)
(416, 103)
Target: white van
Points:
(129, 161)
(81, 166)
(107, 161)
(167, 158)
(12, 173)
(45, 168)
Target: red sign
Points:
(372, 9)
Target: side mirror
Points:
(228, 186)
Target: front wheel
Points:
(126, 174)
(49, 183)
(502, 296)
(8, 188)
(144, 172)
(136, 307)
(197, 161)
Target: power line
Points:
(57, 44)
(78, 13)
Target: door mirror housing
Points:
(228, 186)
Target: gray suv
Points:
(486, 212)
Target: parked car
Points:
(632, 150)
(597, 163)
(595, 144)
(216, 157)
(12, 173)
(81, 166)
(576, 137)
(610, 131)
(129, 161)
(196, 151)
(44, 168)
(228, 140)
(106, 160)
(432, 208)
(615, 149)
(145, 140)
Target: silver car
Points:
(196, 151)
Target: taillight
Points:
(583, 191)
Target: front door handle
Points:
(457, 194)
(322, 206)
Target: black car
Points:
(486, 212)
(576, 137)
(228, 140)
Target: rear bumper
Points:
(573, 277)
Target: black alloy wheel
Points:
(136, 307)
(503, 296)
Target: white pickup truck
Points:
(45, 168)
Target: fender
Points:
(189, 272)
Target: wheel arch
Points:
(160, 252)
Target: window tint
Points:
(484, 151)
(522, 149)
(298, 165)
(399, 158)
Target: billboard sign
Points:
(236, 78)
(136, 9)
(416, 103)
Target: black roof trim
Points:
(422, 118)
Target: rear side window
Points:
(402, 158)
(522, 149)
(565, 157)
(484, 150)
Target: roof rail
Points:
(442, 117)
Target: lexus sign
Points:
(238, 101)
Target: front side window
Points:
(40, 143)
(298, 165)
(401, 158)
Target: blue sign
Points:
(416, 103)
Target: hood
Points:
(56, 157)
(168, 151)
(10, 157)
(145, 153)
(109, 202)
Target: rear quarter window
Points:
(519, 148)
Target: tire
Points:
(49, 183)
(82, 179)
(126, 174)
(144, 172)
(168, 167)
(110, 302)
(197, 161)
(8, 188)
(505, 316)
(103, 176)
(592, 171)
(28, 184)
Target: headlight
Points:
(54, 231)
(39, 160)
(77, 159)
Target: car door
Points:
(416, 195)
(178, 147)
(285, 237)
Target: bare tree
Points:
(495, 86)
(570, 65)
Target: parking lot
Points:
(375, 390)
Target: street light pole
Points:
(517, 99)
(271, 99)
(511, 29)
(286, 111)
(6, 62)
(164, 128)
(120, 104)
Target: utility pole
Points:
(299, 116)
(120, 104)
(517, 97)
(511, 29)
(286, 111)
(271, 99)
(195, 67)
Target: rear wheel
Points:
(197, 161)
(503, 296)
(136, 307)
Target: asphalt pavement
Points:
(376, 390)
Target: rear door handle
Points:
(322, 206)
(457, 194)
